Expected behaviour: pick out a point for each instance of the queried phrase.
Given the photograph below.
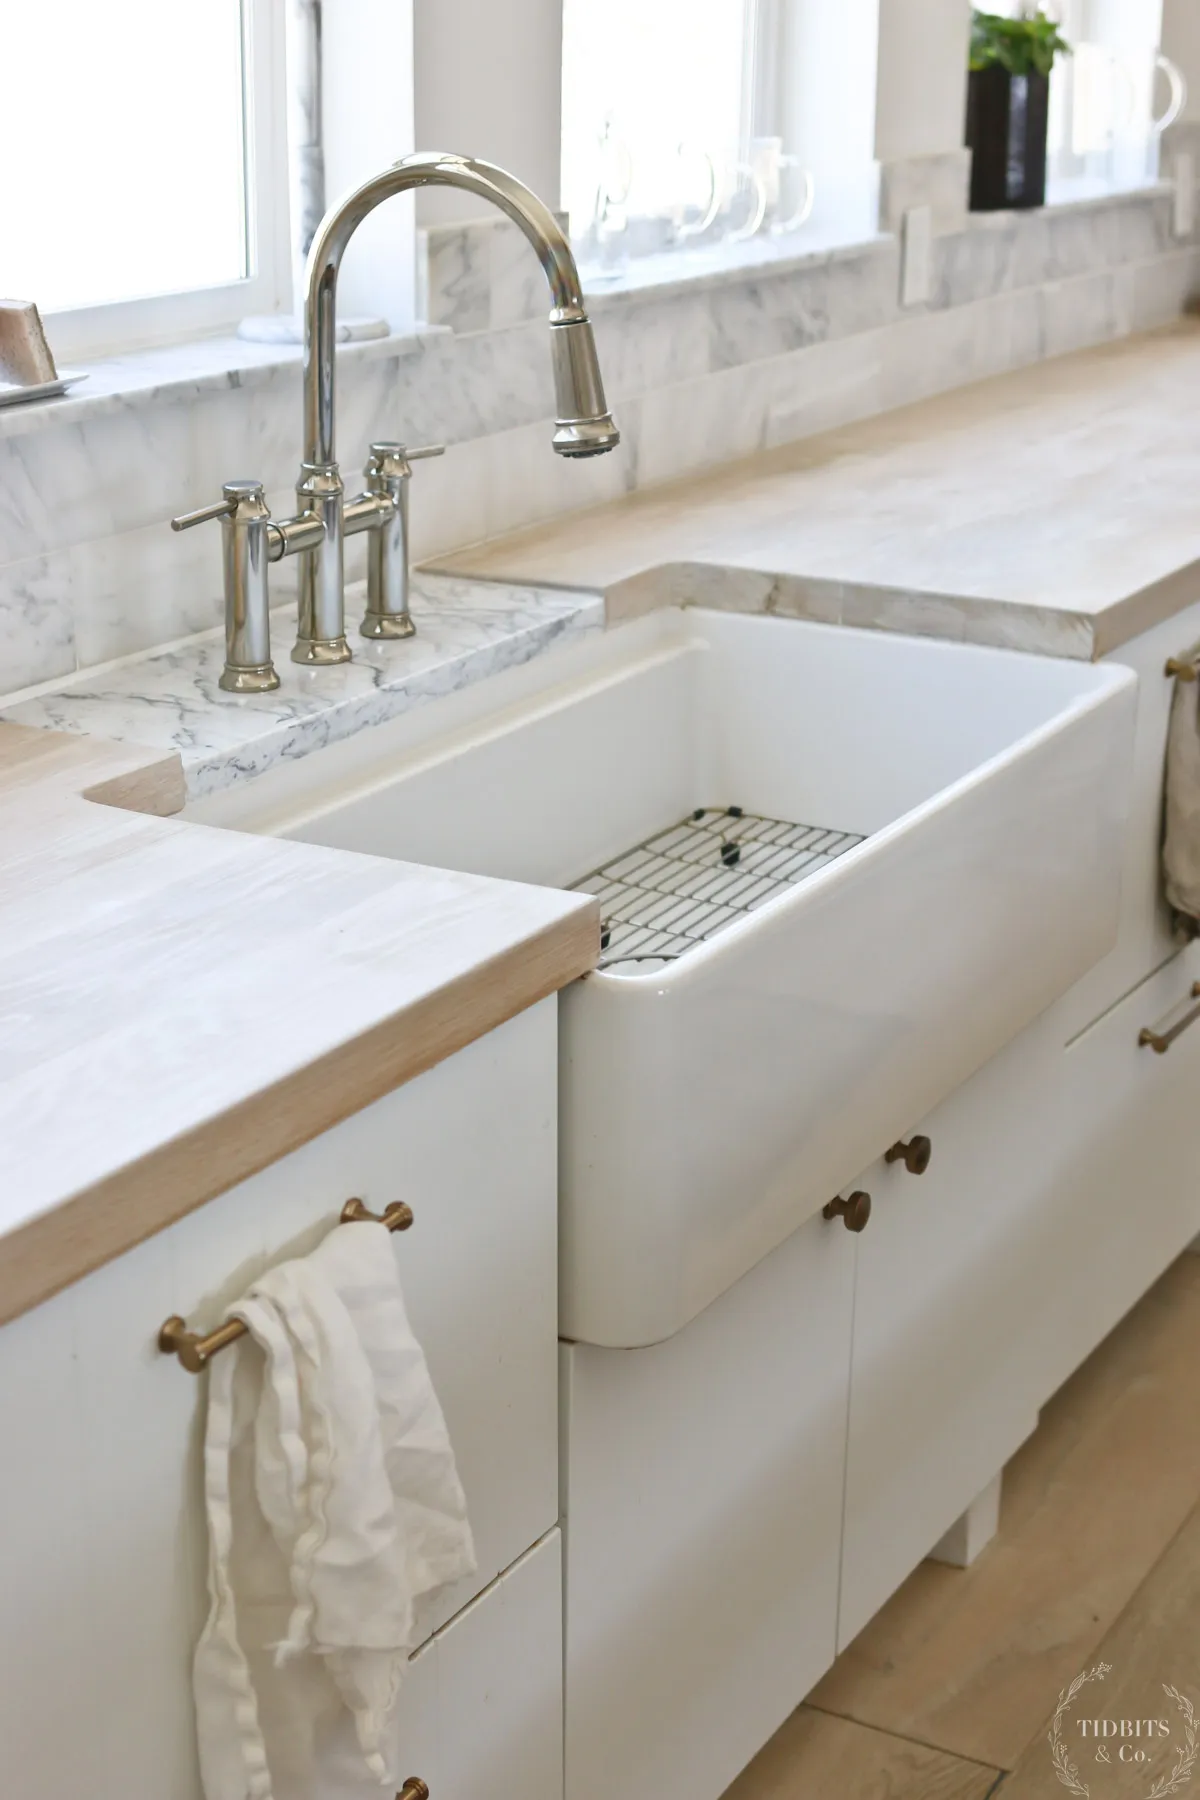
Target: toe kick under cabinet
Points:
(102, 1536)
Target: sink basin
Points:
(923, 853)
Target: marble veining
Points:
(170, 700)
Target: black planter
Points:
(1006, 133)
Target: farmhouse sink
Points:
(838, 869)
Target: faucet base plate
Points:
(318, 653)
(387, 625)
(261, 679)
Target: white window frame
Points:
(80, 332)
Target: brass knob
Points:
(414, 1789)
(853, 1212)
(915, 1155)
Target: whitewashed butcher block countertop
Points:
(1053, 510)
(181, 1006)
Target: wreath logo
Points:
(1067, 1770)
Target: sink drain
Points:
(686, 884)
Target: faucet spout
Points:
(584, 426)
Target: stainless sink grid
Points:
(684, 885)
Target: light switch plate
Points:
(1183, 219)
(916, 256)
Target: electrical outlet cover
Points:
(1183, 221)
(916, 264)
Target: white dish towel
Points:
(334, 1505)
(1181, 811)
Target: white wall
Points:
(489, 83)
(921, 86)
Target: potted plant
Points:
(1008, 97)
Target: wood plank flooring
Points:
(1155, 1643)
(1097, 1558)
(816, 1756)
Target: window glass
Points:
(123, 141)
(1111, 99)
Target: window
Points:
(155, 203)
(1111, 100)
(697, 123)
(667, 124)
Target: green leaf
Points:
(1025, 46)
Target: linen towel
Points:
(333, 1506)
(1181, 812)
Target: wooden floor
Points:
(949, 1692)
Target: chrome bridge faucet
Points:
(251, 539)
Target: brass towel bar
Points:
(1183, 671)
(1160, 1041)
(195, 1352)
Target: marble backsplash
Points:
(698, 369)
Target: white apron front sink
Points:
(713, 1102)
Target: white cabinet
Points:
(1144, 940)
(1119, 1185)
(702, 1519)
(101, 1529)
(940, 1394)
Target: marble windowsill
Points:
(182, 372)
(169, 699)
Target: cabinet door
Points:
(102, 1534)
(702, 1517)
(940, 1395)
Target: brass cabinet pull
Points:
(1182, 671)
(414, 1789)
(854, 1212)
(914, 1155)
(196, 1352)
(1160, 1041)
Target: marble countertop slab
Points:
(169, 699)
(1053, 510)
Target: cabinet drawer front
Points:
(480, 1714)
(102, 1534)
(1120, 1191)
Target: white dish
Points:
(41, 390)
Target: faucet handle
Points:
(234, 493)
(250, 542)
(400, 453)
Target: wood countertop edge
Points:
(97, 1224)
